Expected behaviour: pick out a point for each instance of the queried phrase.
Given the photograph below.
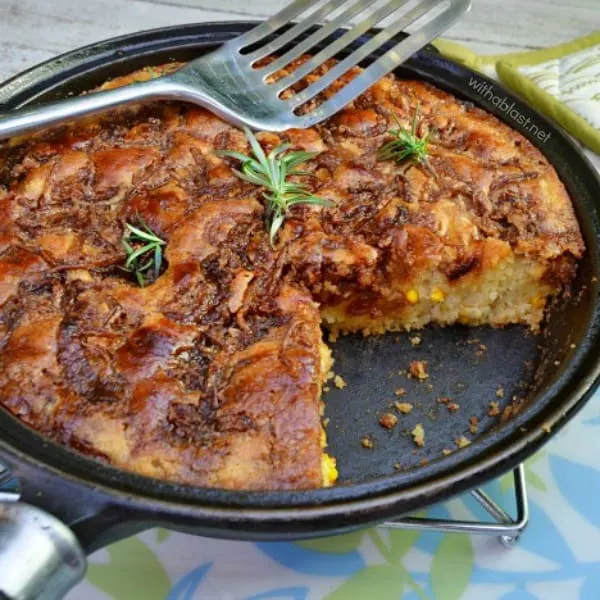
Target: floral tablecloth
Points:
(558, 557)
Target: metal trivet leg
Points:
(507, 529)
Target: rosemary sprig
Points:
(405, 143)
(271, 172)
(144, 252)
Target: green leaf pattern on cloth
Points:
(534, 480)
(133, 572)
(380, 582)
(337, 544)
(452, 567)
(401, 541)
(162, 534)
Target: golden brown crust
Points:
(212, 374)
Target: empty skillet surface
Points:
(552, 378)
(468, 368)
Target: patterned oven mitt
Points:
(563, 82)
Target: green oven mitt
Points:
(562, 82)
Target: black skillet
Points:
(553, 378)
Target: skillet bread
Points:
(212, 374)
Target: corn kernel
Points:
(437, 295)
(329, 470)
(412, 296)
(538, 301)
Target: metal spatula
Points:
(228, 83)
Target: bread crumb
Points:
(481, 350)
(403, 407)
(388, 420)
(367, 442)
(333, 336)
(397, 466)
(339, 382)
(400, 392)
(573, 346)
(326, 389)
(415, 340)
(473, 425)
(447, 452)
(546, 428)
(462, 442)
(326, 421)
(506, 413)
(557, 363)
(500, 392)
(418, 369)
(494, 410)
(448, 403)
(418, 434)
(330, 375)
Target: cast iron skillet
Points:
(101, 503)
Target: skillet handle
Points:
(96, 518)
(40, 557)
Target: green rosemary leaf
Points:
(413, 129)
(146, 227)
(271, 172)
(144, 252)
(127, 246)
(279, 150)
(231, 153)
(405, 143)
(293, 160)
(146, 265)
(138, 253)
(151, 237)
(276, 222)
(298, 172)
(310, 200)
(248, 174)
(157, 261)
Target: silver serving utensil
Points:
(228, 83)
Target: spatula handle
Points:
(26, 120)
